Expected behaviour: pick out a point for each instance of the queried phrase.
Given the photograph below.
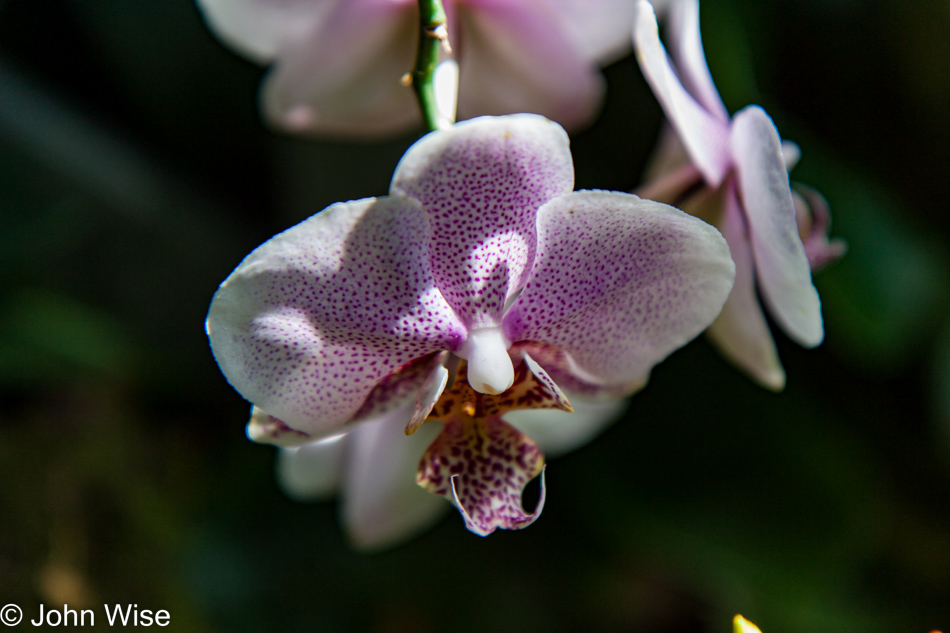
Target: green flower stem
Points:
(432, 36)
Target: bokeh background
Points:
(134, 175)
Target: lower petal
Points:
(311, 472)
(382, 506)
(483, 466)
(740, 332)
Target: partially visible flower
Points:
(741, 625)
(337, 64)
(733, 172)
(481, 285)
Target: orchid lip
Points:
(489, 366)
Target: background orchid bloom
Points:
(481, 253)
(744, 166)
(337, 64)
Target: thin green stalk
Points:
(432, 36)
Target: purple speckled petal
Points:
(784, 276)
(481, 183)
(382, 505)
(311, 321)
(740, 332)
(619, 283)
(483, 466)
(704, 135)
(686, 46)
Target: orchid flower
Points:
(337, 64)
(743, 167)
(482, 284)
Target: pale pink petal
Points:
(619, 283)
(705, 136)
(314, 319)
(741, 332)
(600, 29)
(784, 277)
(686, 46)
(381, 504)
(259, 29)
(483, 465)
(557, 432)
(518, 57)
(481, 183)
(344, 77)
(312, 472)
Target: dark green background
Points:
(135, 174)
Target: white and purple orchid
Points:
(742, 165)
(337, 64)
(482, 284)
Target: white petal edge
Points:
(687, 46)
(705, 137)
(258, 29)
(784, 275)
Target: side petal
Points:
(740, 332)
(343, 76)
(483, 465)
(558, 432)
(619, 283)
(705, 136)
(784, 276)
(258, 29)
(311, 472)
(518, 56)
(314, 319)
(686, 43)
(382, 505)
(481, 183)
(264, 428)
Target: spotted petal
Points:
(481, 182)
(784, 276)
(483, 465)
(313, 320)
(704, 135)
(619, 283)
